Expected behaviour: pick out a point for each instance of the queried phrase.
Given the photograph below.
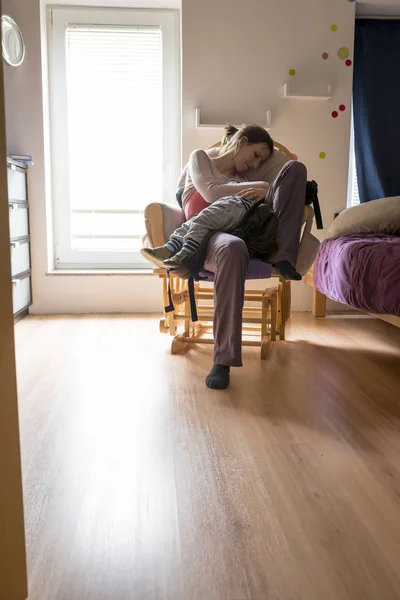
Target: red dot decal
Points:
(325, 55)
(348, 63)
(335, 114)
(342, 107)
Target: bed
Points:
(360, 270)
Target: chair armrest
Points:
(161, 220)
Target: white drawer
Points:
(20, 259)
(18, 216)
(16, 180)
(21, 293)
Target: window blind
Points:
(115, 132)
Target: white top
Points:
(202, 175)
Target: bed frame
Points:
(319, 302)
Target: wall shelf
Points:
(314, 92)
(199, 125)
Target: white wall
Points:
(236, 58)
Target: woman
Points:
(227, 256)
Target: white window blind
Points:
(115, 129)
(114, 88)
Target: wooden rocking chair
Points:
(266, 310)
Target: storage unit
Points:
(18, 211)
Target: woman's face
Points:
(250, 156)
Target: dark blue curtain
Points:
(376, 107)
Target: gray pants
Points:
(228, 258)
(223, 215)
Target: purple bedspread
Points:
(361, 270)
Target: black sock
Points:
(218, 377)
(285, 269)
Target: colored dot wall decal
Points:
(292, 72)
(342, 107)
(325, 55)
(343, 53)
(335, 114)
(348, 63)
(333, 27)
(322, 155)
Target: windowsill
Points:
(97, 272)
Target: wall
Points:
(13, 584)
(251, 47)
(236, 70)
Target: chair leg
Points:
(266, 312)
(289, 298)
(171, 315)
(188, 324)
(164, 322)
(284, 317)
(274, 311)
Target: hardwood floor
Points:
(142, 484)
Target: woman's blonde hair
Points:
(254, 134)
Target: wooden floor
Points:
(142, 484)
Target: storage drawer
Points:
(18, 216)
(16, 179)
(20, 258)
(21, 293)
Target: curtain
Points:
(376, 107)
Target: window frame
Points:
(58, 20)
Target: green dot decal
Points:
(334, 27)
(292, 72)
(322, 155)
(343, 53)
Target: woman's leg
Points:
(228, 258)
(287, 198)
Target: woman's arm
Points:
(199, 168)
(211, 152)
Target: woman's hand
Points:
(255, 194)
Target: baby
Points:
(223, 215)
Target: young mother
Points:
(227, 257)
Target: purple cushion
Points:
(258, 269)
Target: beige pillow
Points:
(377, 216)
(269, 169)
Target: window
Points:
(114, 98)
(352, 193)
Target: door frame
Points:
(13, 576)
